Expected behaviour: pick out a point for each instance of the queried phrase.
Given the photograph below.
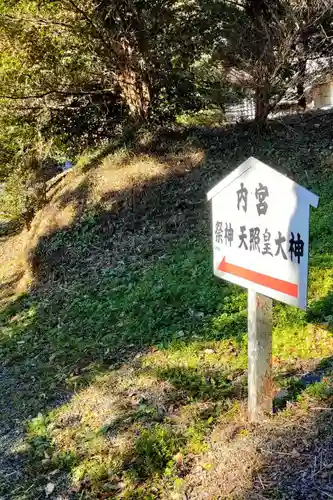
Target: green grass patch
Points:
(125, 369)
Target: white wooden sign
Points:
(260, 222)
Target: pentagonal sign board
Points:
(260, 226)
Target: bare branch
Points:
(43, 22)
(92, 24)
(57, 92)
(234, 2)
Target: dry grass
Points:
(227, 469)
(70, 195)
(119, 179)
(11, 269)
(124, 367)
(289, 456)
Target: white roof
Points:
(310, 198)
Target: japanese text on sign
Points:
(251, 239)
(260, 226)
(261, 194)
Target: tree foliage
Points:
(74, 71)
(268, 44)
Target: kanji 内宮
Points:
(261, 195)
(242, 197)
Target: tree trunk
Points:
(135, 92)
(262, 103)
(302, 73)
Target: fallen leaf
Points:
(178, 458)
(49, 488)
(118, 486)
(53, 472)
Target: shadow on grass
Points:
(296, 449)
(297, 383)
(54, 344)
(322, 311)
(205, 384)
(10, 227)
(7, 288)
(297, 453)
(118, 281)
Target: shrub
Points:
(25, 190)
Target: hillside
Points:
(123, 361)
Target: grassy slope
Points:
(123, 369)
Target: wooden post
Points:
(259, 356)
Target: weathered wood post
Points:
(259, 356)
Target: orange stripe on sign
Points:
(261, 279)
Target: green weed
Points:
(143, 358)
(155, 449)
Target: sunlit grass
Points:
(133, 424)
(136, 364)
